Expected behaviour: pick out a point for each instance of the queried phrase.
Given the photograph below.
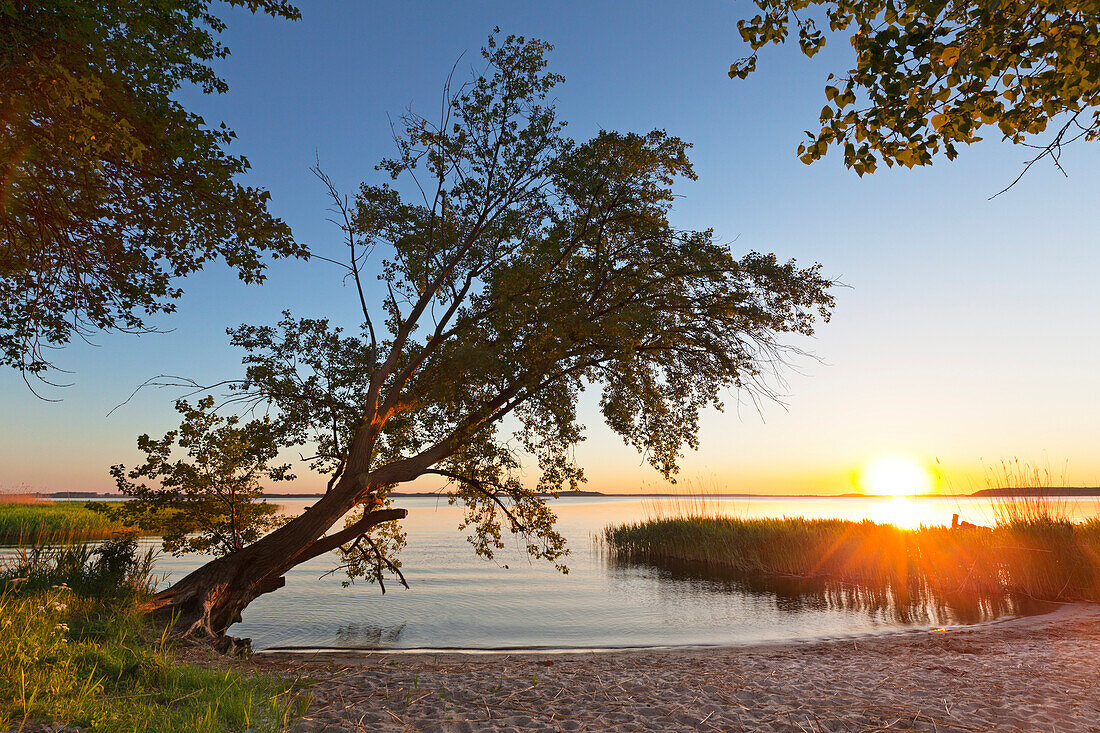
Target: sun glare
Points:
(902, 512)
(896, 476)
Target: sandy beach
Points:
(1028, 674)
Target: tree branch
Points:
(480, 486)
(332, 541)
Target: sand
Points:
(1029, 674)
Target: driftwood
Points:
(956, 524)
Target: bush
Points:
(111, 569)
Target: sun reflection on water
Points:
(902, 512)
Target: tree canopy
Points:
(517, 268)
(209, 501)
(109, 188)
(930, 74)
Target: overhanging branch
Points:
(332, 541)
(481, 487)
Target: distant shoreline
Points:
(1027, 492)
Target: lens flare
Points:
(896, 476)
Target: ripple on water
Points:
(459, 601)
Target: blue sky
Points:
(965, 333)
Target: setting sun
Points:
(896, 476)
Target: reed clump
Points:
(1037, 555)
(75, 650)
(31, 522)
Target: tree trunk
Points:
(209, 600)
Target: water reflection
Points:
(460, 601)
(368, 636)
(914, 605)
(904, 512)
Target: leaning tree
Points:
(525, 268)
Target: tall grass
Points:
(1044, 557)
(110, 569)
(78, 652)
(31, 522)
(1023, 492)
(1032, 549)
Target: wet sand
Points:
(1037, 673)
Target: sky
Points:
(964, 335)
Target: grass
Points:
(32, 522)
(27, 520)
(78, 652)
(1030, 551)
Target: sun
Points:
(896, 476)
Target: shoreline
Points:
(330, 654)
(1021, 673)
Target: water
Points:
(460, 601)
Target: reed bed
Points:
(1029, 552)
(32, 522)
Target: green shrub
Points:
(110, 569)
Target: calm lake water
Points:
(459, 601)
